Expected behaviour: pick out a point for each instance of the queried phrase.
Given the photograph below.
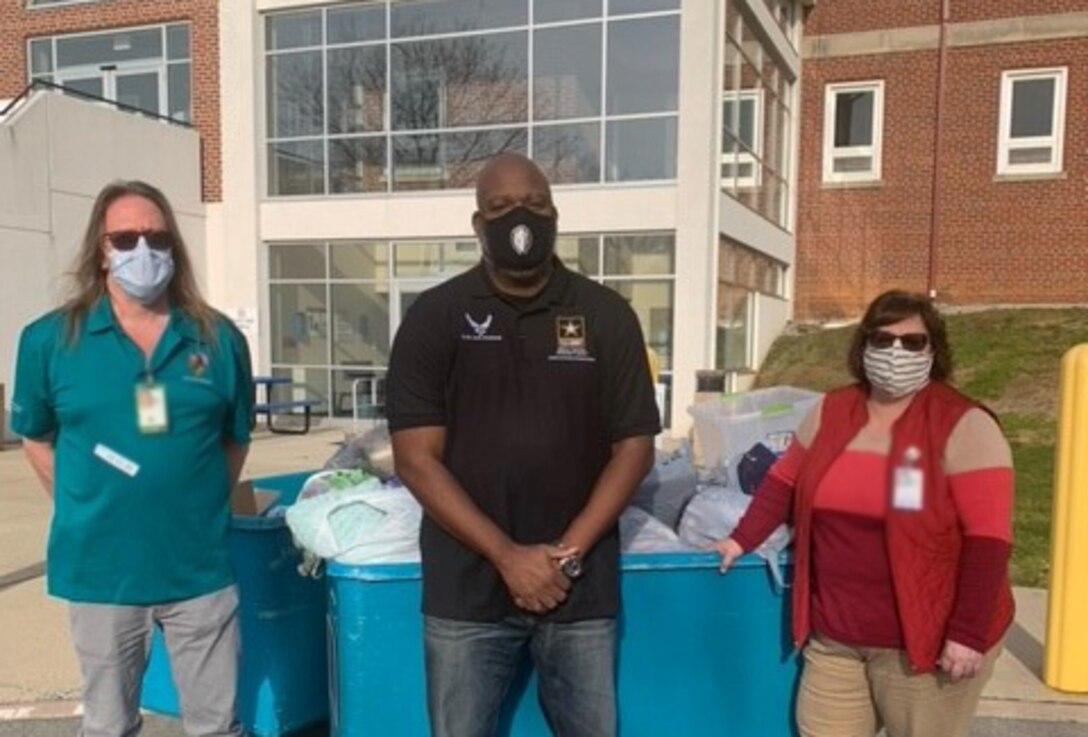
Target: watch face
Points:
(572, 567)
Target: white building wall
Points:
(696, 202)
(232, 231)
(56, 154)
(692, 207)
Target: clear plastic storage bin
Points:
(727, 427)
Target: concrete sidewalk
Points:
(39, 678)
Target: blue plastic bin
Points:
(699, 653)
(283, 681)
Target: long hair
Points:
(892, 307)
(89, 278)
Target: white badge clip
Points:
(909, 489)
(151, 414)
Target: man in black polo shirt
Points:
(523, 416)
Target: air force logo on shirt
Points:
(570, 338)
(480, 329)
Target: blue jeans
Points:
(470, 666)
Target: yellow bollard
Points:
(1066, 664)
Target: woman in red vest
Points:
(901, 491)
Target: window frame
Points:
(1006, 144)
(108, 71)
(833, 153)
(742, 158)
(38, 5)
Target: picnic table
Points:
(264, 404)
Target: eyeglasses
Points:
(126, 240)
(913, 342)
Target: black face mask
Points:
(520, 240)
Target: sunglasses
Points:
(126, 240)
(913, 342)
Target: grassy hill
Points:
(1008, 359)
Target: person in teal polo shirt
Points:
(135, 403)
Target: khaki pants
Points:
(112, 643)
(853, 692)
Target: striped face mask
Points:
(896, 371)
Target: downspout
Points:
(934, 216)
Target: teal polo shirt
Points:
(138, 519)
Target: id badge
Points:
(909, 487)
(151, 414)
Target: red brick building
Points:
(944, 150)
(165, 51)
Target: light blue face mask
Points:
(142, 273)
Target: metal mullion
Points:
(603, 137)
(387, 115)
(643, 15)
(354, 44)
(460, 34)
(530, 73)
(327, 182)
(565, 121)
(330, 314)
(294, 49)
(567, 23)
(464, 129)
(644, 116)
(292, 139)
(341, 136)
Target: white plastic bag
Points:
(365, 523)
(715, 511)
(641, 532)
(668, 488)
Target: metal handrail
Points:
(87, 96)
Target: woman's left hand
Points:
(959, 661)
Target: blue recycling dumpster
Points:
(699, 653)
(283, 681)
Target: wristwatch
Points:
(571, 566)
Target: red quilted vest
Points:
(924, 546)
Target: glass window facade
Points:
(756, 106)
(743, 273)
(405, 95)
(145, 68)
(335, 305)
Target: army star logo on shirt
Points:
(570, 337)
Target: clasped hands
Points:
(533, 577)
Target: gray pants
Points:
(113, 642)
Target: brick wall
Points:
(973, 10)
(854, 242)
(19, 24)
(850, 16)
(999, 241)
(1011, 241)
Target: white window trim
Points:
(1006, 144)
(741, 158)
(833, 153)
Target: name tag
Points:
(909, 487)
(151, 414)
(126, 466)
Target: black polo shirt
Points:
(532, 395)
